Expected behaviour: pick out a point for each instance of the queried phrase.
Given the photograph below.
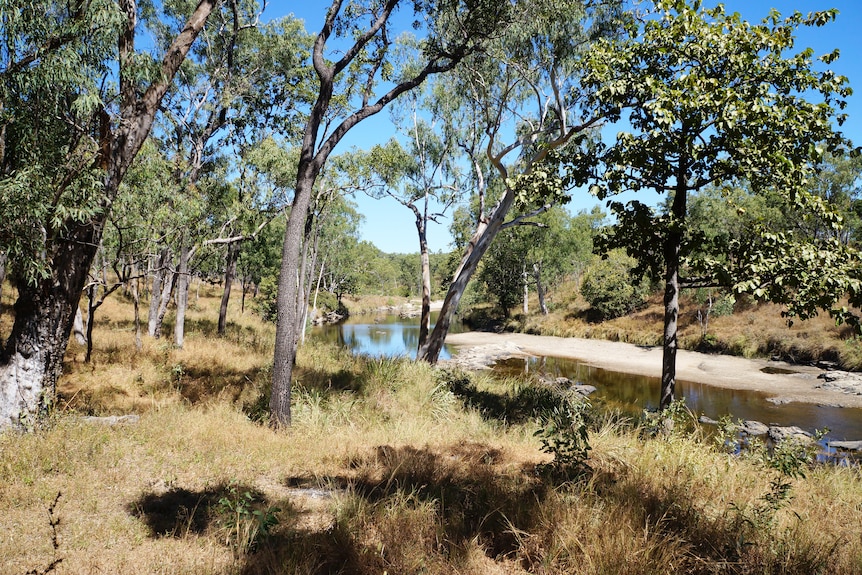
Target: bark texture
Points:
(478, 245)
(182, 296)
(671, 299)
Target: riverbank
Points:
(801, 383)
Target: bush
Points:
(268, 292)
(609, 288)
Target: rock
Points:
(779, 400)
(484, 356)
(754, 428)
(779, 433)
(844, 381)
(113, 419)
(830, 365)
(584, 390)
(846, 445)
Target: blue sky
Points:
(390, 226)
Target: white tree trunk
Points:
(182, 296)
(78, 328)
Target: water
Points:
(632, 394)
(380, 335)
(391, 335)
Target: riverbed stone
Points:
(583, 389)
(843, 381)
(779, 433)
(846, 445)
(754, 428)
(484, 356)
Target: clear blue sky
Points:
(390, 226)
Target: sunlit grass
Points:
(384, 469)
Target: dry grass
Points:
(384, 470)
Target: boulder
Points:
(583, 390)
(844, 381)
(778, 433)
(754, 428)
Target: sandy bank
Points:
(719, 370)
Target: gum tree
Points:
(422, 178)
(66, 144)
(358, 66)
(519, 103)
(712, 100)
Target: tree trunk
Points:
(476, 248)
(425, 320)
(540, 290)
(78, 328)
(526, 276)
(32, 358)
(182, 295)
(245, 284)
(91, 310)
(317, 287)
(3, 258)
(167, 291)
(229, 274)
(136, 299)
(305, 271)
(156, 291)
(670, 344)
(288, 293)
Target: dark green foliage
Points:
(609, 288)
(564, 433)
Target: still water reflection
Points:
(633, 393)
(380, 335)
(390, 335)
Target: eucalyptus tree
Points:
(67, 142)
(519, 103)
(356, 54)
(712, 100)
(423, 177)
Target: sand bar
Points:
(718, 370)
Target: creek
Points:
(391, 335)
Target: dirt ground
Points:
(732, 372)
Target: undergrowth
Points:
(391, 466)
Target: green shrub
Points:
(609, 288)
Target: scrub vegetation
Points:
(390, 466)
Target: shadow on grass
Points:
(525, 404)
(408, 510)
(397, 508)
(178, 511)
